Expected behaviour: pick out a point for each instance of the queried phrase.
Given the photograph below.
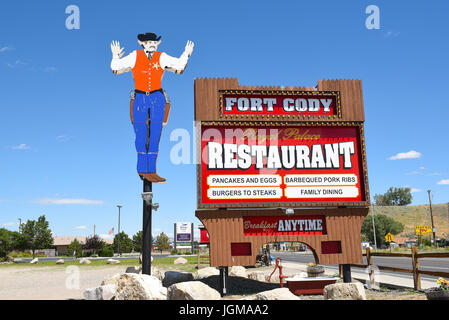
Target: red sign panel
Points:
(278, 225)
(288, 164)
(279, 103)
(204, 236)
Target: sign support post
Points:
(347, 273)
(223, 280)
(191, 242)
(174, 239)
(146, 237)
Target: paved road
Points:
(428, 264)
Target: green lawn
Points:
(162, 263)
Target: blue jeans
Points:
(148, 109)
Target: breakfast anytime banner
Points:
(281, 164)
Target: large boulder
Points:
(106, 292)
(113, 261)
(60, 261)
(34, 261)
(132, 286)
(111, 280)
(135, 269)
(344, 291)
(180, 260)
(275, 294)
(192, 290)
(257, 275)
(172, 277)
(237, 271)
(158, 273)
(206, 272)
(85, 261)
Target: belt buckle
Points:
(147, 93)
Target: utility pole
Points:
(118, 238)
(374, 228)
(94, 229)
(431, 219)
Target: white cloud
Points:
(7, 224)
(17, 63)
(406, 155)
(413, 190)
(4, 49)
(63, 137)
(422, 168)
(414, 173)
(444, 181)
(392, 34)
(80, 227)
(22, 146)
(50, 69)
(68, 201)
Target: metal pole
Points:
(118, 238)
(374, 228)
(146, 245)
(223, 283)
(191, 234)
(347, 273)
(431, 219)
(174, 240)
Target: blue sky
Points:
(66, 142)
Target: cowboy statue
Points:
(149, 107)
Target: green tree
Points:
(137, 241)
(6, 242)
(75, 246)
(94, 243)
(126, 244)
(35, 235)
(162, 242)
(394, 197)
(383, 225)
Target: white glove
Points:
(189, 48)
(117, 52)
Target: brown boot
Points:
(161, 180)
(152, 177)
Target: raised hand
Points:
(117, 52)
(189, 48)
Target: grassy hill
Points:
(418, 215)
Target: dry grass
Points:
(412, 216)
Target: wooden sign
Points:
(259, 102)
(423, 230)
(281, 164)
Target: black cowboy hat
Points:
(149, 36)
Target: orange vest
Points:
(147, 73)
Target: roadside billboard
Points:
(287, 165)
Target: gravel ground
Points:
(69, 282)
(52, 282)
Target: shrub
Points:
(20, 254)
(106, 252)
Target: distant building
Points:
(61, 243)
